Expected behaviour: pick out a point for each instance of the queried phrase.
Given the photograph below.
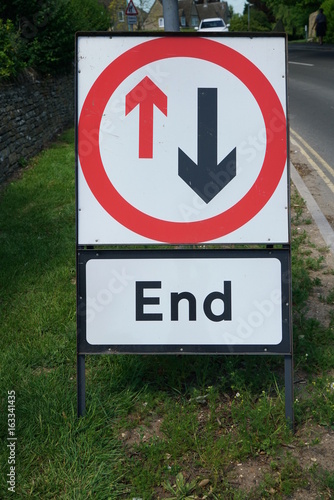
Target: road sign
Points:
(132, 19)
(185, 301)
(182, 141)
(131, 9)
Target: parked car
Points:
(213, 24)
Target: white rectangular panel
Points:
(224, 301)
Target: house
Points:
(191, 13)
(155, 18)
(188, 14)
(117, 10)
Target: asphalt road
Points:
(311, 116)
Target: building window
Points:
(120, 16)
(161, 22)
(183, 21)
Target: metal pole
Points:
(249, 7)
(171, 15)
(81, 385)
(288, 373)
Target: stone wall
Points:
(32, 113)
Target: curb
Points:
(320, 220)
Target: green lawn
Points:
(156, 426)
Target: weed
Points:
(314, 264)
(324, 480)
(22, 162)
(298, 206)
(330, 297)
(181, 490)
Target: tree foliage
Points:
(292, 15)
(260, 6)
(295, 15)
(328, 6)
(40, 33)
(10, 61)
(257, 21)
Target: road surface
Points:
(311, 115)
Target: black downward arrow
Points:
(207, 178)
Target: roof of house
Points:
(212, 9)
(188, 10)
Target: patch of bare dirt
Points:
(316, 448)
(303, 169)
(142, 433)
(249, 474)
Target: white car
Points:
(213, 24)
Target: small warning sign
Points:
(131, 9)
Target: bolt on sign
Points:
(182, 140)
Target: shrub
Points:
(328, 6)
(258, 22)
(44, 32)
(10, 62)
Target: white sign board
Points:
(182, 140)
(132, 19)
(184, 301)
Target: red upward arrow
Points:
(146, 94)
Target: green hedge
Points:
(39, 34)
(10, 61)
(328, 6)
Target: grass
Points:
(156, 426)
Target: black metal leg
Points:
(81, 385)
(288, 371)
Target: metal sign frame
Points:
(85, 253)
